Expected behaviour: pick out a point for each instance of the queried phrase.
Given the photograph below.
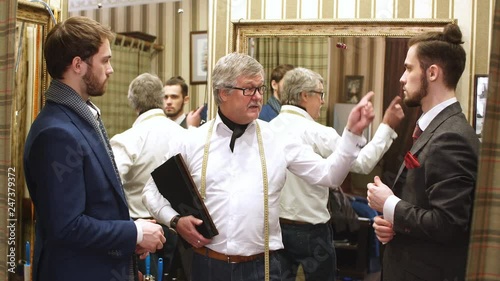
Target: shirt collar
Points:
(96, 112)
(181, 118)
(148, 114)
(426, 118)
(295, 110)
(218, 123)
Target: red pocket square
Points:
(410, 161)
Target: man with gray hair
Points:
(304, 215)
(140, 149)
(239, 168)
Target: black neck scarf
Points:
(237, 129)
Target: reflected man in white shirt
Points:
(175, 98)
(140, 149)
(304, 215)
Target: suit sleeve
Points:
(55, 168)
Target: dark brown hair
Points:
(75, 37)
(279, 71)
(443, 49)
(178, 80)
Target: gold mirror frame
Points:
(243, 30)
(26, 105)
(35, 13)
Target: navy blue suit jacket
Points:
(83, 228)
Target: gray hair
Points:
(145, 92)
(229, 68)
(296, 81)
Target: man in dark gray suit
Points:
(426, 216)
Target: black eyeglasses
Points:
(249, 91)
(319, 93)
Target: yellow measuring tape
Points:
(265, 183)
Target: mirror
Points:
(31, 81)
(353, 56)
(334, 46)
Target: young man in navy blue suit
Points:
(83, 228)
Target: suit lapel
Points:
(99, 150)
(426, 135)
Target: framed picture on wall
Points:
(199, 57)
(353, 87)
(480, 95)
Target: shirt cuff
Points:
(139, 232)
(358, 141)
(389, 207)
(385, 130)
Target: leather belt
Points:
(287, 221)
(204, 251)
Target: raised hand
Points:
(377, 194)
(394, 113)
(361, 115)
(193, 118)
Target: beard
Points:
(416, 99)
(94, 87)
(175, 113)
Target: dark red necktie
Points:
(416, 133)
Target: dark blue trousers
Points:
(310, 246)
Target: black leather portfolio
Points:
(175, 184)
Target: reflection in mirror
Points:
(31, 80)
(319, 45)
(355, 58)
(371, 50)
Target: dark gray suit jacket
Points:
(432, 220)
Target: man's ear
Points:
(303, 96)
(274, 85)
(78, 65)
(222, 94)
(186, 99)
(433, 72)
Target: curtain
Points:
(8, 11)
(310, 52)
(484, 253)
(395, 52)
(128, 62)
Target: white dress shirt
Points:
(423, 122)
(139, 150)
(299, 200)
(179, 119)
(234, 182)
